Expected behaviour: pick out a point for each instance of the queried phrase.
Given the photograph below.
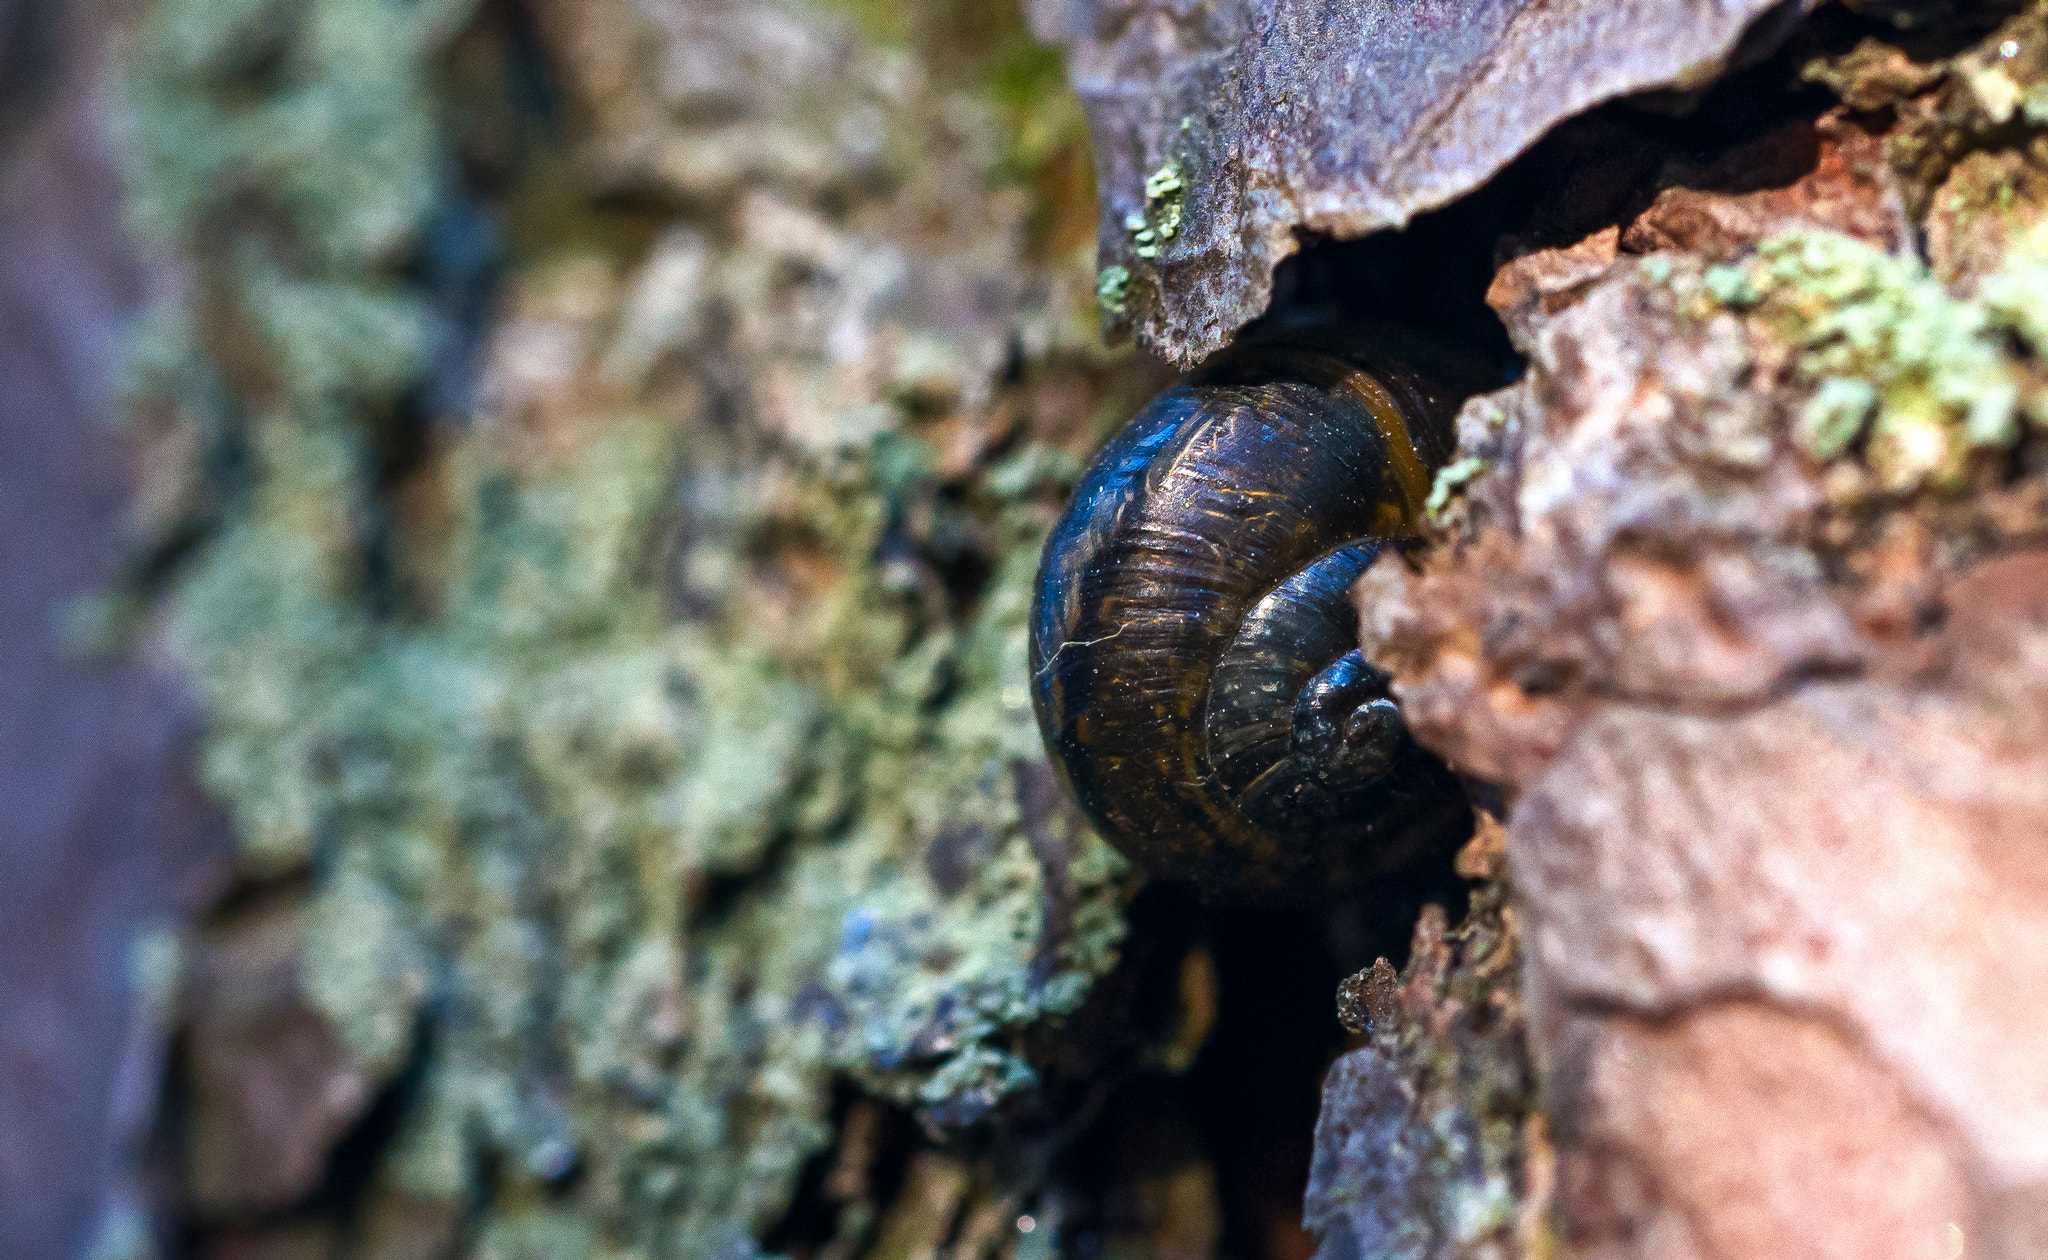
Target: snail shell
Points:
(1194, 648)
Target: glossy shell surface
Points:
(1193, 643)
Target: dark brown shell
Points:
(1193, 644)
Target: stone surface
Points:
(1833, 175)
(1737, 1129)
(1224, 131)
(612, 632)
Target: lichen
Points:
(1113, 290)
(1890, 353)
(1450, 479)
(618, 734)
(1153, 227)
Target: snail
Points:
(1194, 650)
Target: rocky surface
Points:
(595, 491)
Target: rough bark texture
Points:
(609, 446)
(1742, 598)
(1428, 1144)
(595, 458)
(1225, 131)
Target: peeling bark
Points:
(1223, 132)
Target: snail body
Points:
(1194, 648)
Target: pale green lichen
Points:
(1831, 419)
(1893, 356)
(1113, 290)
(364, 965)
(1151, 228)
(648, 883)
(1450, 479)
(1728, 285)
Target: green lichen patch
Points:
(645, 775)
(1154, 227)
(1451, 479)
(1113, 290)
(1892, 358)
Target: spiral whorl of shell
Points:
(1193, 642)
